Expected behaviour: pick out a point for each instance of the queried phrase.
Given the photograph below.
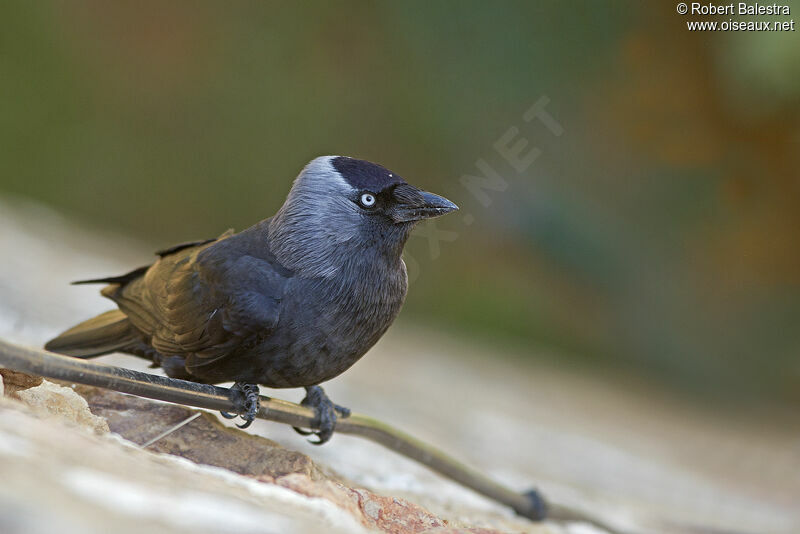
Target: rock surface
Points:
(62, 477)
(13, 381)
(204, 441)
(62, 402)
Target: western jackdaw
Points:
(292, 301)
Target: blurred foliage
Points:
(659, 233)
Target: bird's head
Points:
(341, 206)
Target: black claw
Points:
(246, 399)
(327, 422)
(325, 412)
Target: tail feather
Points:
(122, 280)
(108, 332)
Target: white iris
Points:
(368, 200)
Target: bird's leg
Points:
(325, 413)
(245, 398)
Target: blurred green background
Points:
(657, 235)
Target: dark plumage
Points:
(292, 301)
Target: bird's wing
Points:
(191, 244)
(204, 299)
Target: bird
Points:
(293, 301)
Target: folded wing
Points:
(203, 300)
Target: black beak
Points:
(422, 205)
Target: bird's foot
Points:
(325, 414)
(245, 398)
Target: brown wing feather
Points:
(204, 300)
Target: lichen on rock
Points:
(63, 402)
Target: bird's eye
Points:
(367, 200)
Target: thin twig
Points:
(56, 366)
(171, 429)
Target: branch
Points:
(58, 367)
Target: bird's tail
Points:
(100, 335)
